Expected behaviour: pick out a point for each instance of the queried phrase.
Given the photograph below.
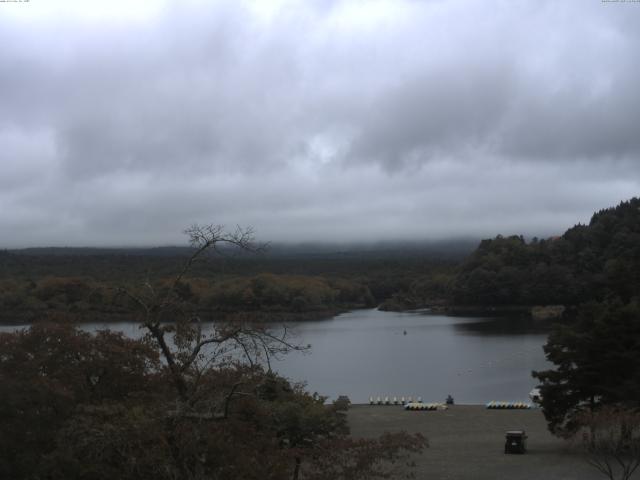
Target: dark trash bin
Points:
(342, 403)
(516, 442)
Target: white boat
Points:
(535, 395)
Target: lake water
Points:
(367, 353)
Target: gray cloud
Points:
(321, 120)
(424, 118)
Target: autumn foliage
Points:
(76, 405)
(188, 401)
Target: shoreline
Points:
(542, 314)
(534, 312)
(25, 319)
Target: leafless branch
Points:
(612, 442)
(230, 395)
(184, 350)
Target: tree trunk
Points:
(296, 471)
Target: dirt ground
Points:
(467, 442)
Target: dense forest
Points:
(588, 262)
(295, 284)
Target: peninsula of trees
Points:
(588, 262)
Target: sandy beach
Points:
(467, 442)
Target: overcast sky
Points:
(122, 123)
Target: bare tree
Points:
(611, 441)
(176, 419)
(188, 349)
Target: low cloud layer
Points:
(314, 121)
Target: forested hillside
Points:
(588, 262)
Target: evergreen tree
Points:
(597, 359)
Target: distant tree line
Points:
(84, 285)
(89, 300)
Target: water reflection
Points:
(504, 326)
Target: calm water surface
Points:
(367, 353)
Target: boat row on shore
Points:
(425, 406)
(410, 404)
(393, 400)
(508, 405)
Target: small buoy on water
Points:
(405, 332)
